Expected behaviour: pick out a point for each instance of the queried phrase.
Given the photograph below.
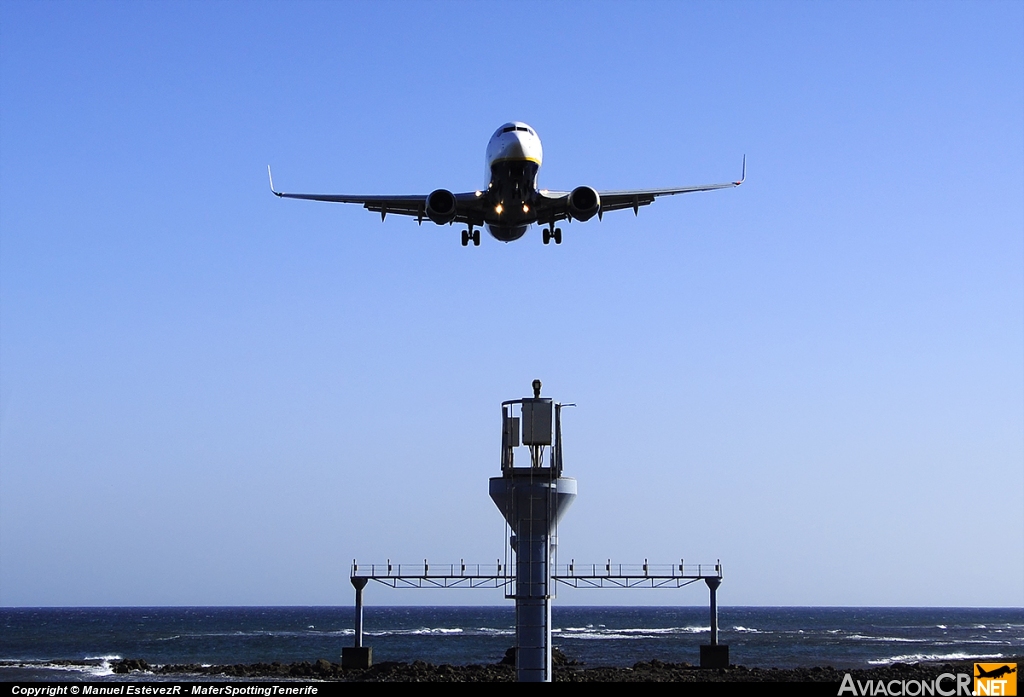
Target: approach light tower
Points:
(533, 499)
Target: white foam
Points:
(422, 631)
(92, 669)
(889, 639)
(104, 667)
(605, 636)
(573, 631)
(627, 632)
(918, 657)
(439, 630)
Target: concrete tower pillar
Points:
(532, 505)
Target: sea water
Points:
(82, 643)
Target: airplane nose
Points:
(514, 148)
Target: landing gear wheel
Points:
(547, 235)
(465, 237)
(558, 235)
(476, 238)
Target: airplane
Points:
(511, 201)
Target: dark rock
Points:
(558, 658)
(129, 664)
(643, 671)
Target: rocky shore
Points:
(564, 671)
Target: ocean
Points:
(81, 643)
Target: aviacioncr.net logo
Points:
(995, 679)
(946, 685)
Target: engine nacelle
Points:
(584, 203)
(441, 207)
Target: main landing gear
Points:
(471, 234)
(553, 233)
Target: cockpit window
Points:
(524, 129)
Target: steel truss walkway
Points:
(463, 575)
(607, 575)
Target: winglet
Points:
(272, 182)
(743, 176)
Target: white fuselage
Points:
(513, 158)
(515, 142)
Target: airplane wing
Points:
(469, 207)
(555, 203)
(551, 207)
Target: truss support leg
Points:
(357, 656)
(360, 584)
(714, 655)
(713, 584)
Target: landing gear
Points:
(553, 234)
(471, 235)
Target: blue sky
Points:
(211, 396)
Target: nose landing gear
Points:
(553, 233)
(470, 235)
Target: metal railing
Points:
(427, 575)
(498, 575)
(608, 569)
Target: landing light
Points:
(479, 194)
(526, 209)
(498, 209)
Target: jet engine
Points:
(441, 206)
(584, 203)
